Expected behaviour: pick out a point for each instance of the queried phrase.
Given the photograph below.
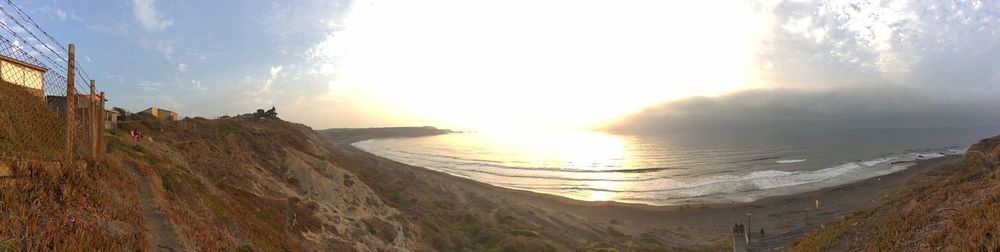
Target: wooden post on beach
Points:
(746, 230)
(70, 103)
(807, 216)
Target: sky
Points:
(544, 63)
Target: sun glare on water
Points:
(539, 64)
(562, 149)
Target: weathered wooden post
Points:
(70, 103)
(100, 138)
(93, 121)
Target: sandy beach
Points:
(782, 217)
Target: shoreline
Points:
(676, 224)
(912, 164)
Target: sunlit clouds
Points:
(529, 63)
(520, 64)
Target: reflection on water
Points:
(673, 168)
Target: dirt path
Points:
(161, 234)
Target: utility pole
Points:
(70, 104)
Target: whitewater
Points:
(674, 168)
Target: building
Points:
(110, 119)
(20, 73)
(58, 104)
(162, 114)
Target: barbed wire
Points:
(31, 33)
(31, 59)
(30, 20)
(33, 81)
(78, 69)
(54, 82)
(24, 41)
(81, 89)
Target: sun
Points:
(513, 64)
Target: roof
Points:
(160, 109)
(22, 63)
(78, 96)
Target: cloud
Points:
(858, 64)
(166, 47)
(149, 86)
(265, 89)
(168, 101)
(182, 67)
(200, 57)
(847, 108)
(275, 71)
(120, 28)
(145, 12)
(918, 43)
(196, 85)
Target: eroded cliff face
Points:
(957, 210)
(984, 155)
(264, 184)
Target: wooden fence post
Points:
(103, 116)
(70, 104)
(93, 122)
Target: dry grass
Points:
(50, 206)
(28, 129)
(823, 239)
(959, 212)
(198, 170)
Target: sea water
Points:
(677, 167)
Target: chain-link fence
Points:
(48, 108)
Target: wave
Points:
(790, 161)
(758, 159)
(457, 161)
(657, 184)
(754, 181)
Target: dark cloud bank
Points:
(858, 64)
(856, 108)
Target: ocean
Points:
(675, 168)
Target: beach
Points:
(586, 222)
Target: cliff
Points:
(958, 210)
(258, 184)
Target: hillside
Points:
(252, 183)
(48, 205)
(263, 184)
(260, 184)
(956, 212)
(28, 129)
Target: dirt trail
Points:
(161, 234)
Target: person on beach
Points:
(761, 232)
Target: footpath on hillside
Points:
(161, 234)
